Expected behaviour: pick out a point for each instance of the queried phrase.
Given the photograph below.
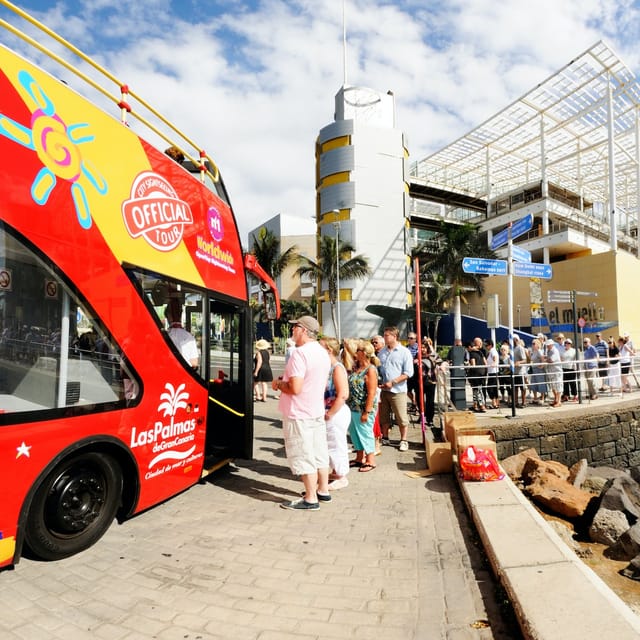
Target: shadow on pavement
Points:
(273, 421)
(256, 489)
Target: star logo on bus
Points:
(57, 147)
(23, 450)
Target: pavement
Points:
(390, 557)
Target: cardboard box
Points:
(457, 431)
(457, 420)
(439, 457)
(480, 438)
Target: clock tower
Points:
(362, 196)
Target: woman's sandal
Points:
(355, 463)
(366, 468)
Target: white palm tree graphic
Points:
(172, 400)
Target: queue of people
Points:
(329, 391)
(547, 371)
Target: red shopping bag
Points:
(479, 464)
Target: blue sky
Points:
(254, 82)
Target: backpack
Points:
(429, 371)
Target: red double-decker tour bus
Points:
(125, 330)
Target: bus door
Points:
(230, 412)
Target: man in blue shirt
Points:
(602, 348)
(396, 367)
(590, 367)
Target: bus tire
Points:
(74, 506)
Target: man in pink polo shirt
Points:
(302, 407)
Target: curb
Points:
(553, 593)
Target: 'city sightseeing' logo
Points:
(155, 212)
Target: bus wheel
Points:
(74, 506)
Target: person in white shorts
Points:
(302, 406)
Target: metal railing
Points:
(605, 374)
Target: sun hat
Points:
(308, 322)
(549, 343)
(262, 344)
(568, 341)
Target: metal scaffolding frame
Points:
(574, 130)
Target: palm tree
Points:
(266, 248)
(350, 268)
(441, 269)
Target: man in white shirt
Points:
(183, 340)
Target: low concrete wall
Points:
(607, 435)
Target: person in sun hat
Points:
(261, 370)
(302, 406)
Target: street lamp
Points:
(336, 226)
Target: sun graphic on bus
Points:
(57, 147)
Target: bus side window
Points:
(57, 355)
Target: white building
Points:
(566, 156)
(290, 231)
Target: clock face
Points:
(361, 97)
(363, 103)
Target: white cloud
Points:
(254, 82)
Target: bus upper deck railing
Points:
(175, 137)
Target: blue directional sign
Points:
(485, 265)
(500, 238)
(521, 226)
(532, 270)
(519, 254)
(517, 229)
